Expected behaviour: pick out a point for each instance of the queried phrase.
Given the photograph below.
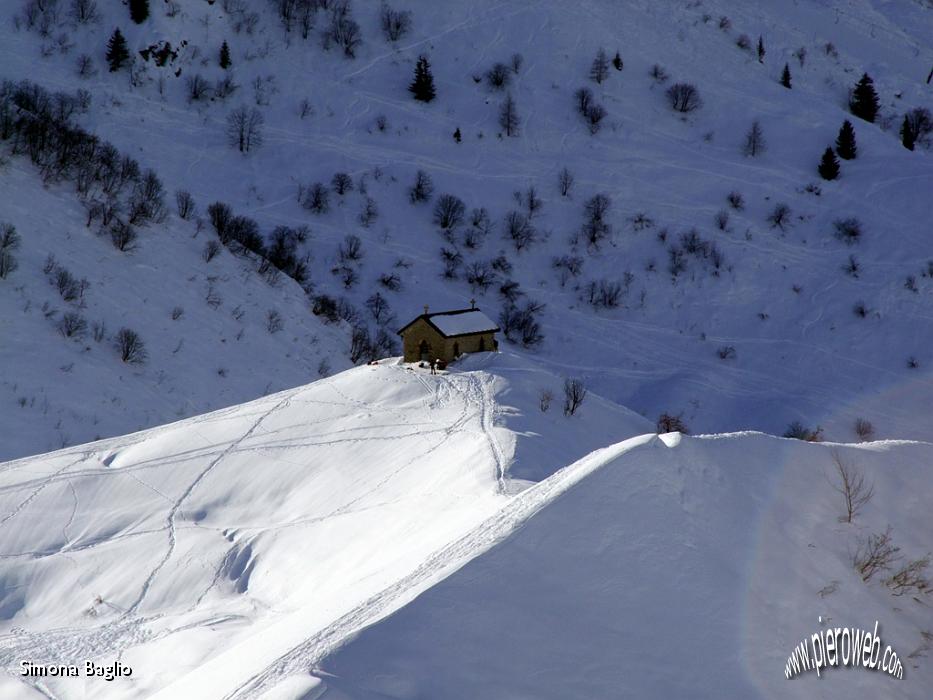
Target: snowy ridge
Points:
(260, 536)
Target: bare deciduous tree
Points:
(851, 484)
(508, 116)
(448, 212)
(423, 188)
(754, 141)
(244, 128)
(565, 182)
(395, 23)
(574, 395)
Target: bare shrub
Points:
(574, 395)
(851, 484)
(668, 423)
(799, 431)
(544, 400)
(423, 188)
(722, 219)
(449, 212)
(754, 143)
(595, 227)
(197, 88)
(341, 183)
(864, 430)
(211, 250)
(519, 230)
(131, 347)
(274, 321)
(684, 97)
(726, 352)
(780, 216)
(911, 578)
(736, 200)
(499, 76)
(565, 182)
(185, 204)
(658, 74)
(874, 554)
(395, 23)
(391, 281)
(244, 128)
(317, 198)
(848, 230)
(72, 325)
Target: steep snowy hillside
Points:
(745, 324)
(681, 568)
(201, 552)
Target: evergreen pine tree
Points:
(225, 56)
(845, 141)
(617, 61)
(117, 53)
(785, 77)
(864, 102)
(829, 166)
(422, 87)
(908, 137)
(761, 50)
(139, 10)
(457, 135)
(600, 68)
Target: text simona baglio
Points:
(88, 669)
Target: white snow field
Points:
(203, 552)
(680, 568)
(780, 299)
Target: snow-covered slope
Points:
(201, 552)
(681, 568)
(781, 299)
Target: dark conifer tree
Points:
(761, 50)
(829, 166)
(117, 53)
(457, 135)
(908, 137)
(617, 61)
(139, 10)
(785, 77)
(422, 87)
(845, 141)
(225, 61)
(599, 71)
(864, 102)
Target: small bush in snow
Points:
(565, 182)
(684, 97)
(780, 216)
(274, 321)
(799, 431)
(860, 309)
(736, 200)
(595, 227)
(72, 325)
(501, 264)
(392, 282)
(9, 242)
(864, 430)
(744, 42)
(875, 554)
(658, 74)
(544, 400)
(911, 579)
(341, 183)
(754, 143)
(499, 76)
(567, 266)
(323, 305)
(197, 88)
(722, 219)
(177, 313)
(211, 250)
(130, 346)
(123, 236)
(668, 423)
(519, 230)
(726, 352)
(185, 204)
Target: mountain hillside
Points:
(225, 540)
(672, 300)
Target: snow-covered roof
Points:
(459, 322)
(462, 322)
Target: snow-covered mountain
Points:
(784, 323)
(238, 554)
